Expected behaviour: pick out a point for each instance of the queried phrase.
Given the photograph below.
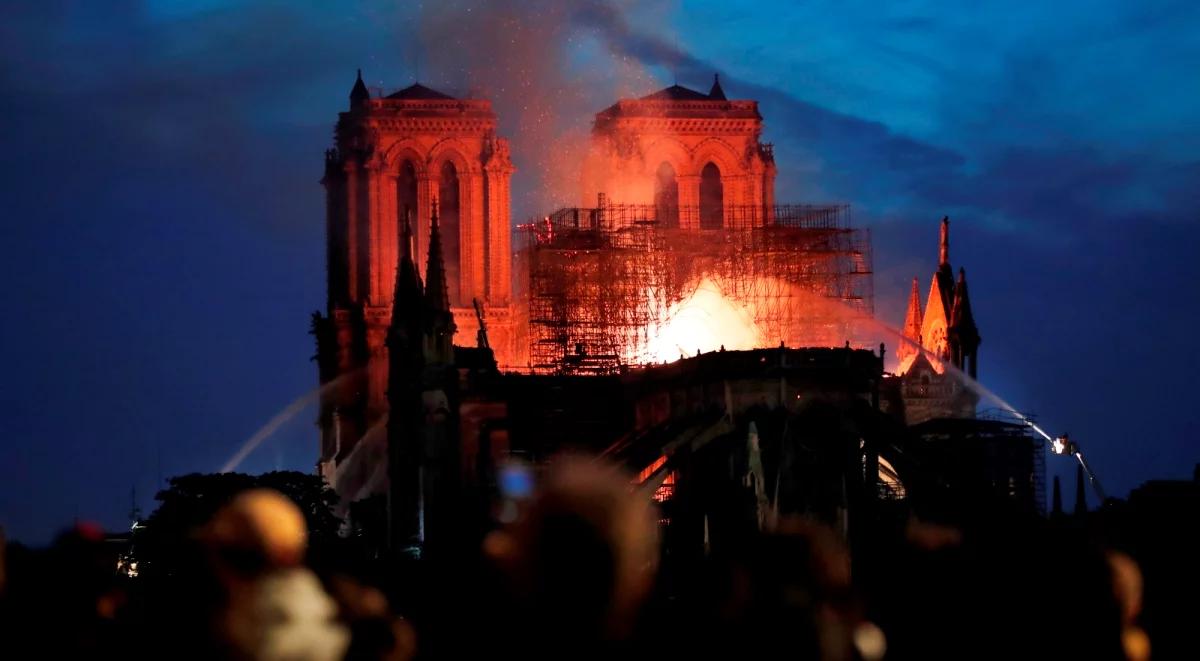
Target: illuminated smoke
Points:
(706, 321)
(548, 66)
(547, 70)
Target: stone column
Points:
(379, 293)
(689, 201)
(498, 232)
(471, 241)
(768, 191)
(388, 233)
(353, 239)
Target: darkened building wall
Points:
(981, 465)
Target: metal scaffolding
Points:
(601, 280)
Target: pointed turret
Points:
(437, 295)
(406, 364)
(912, 329)
(913, 318)
(960, 313)
(716, 92)
(945, 273)
(441, 327)
(935, 323)
(359, 93)
(964, 335)
(407, 301)
(407, 248)
(944, 242)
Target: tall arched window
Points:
(712, 198)
(406, 201)
(666, 196)
(449, 221)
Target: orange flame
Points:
(705, 321)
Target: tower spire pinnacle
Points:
(437, 295)
(440, 327)
(716, 92)
(407, 295)
(913, 317)
(944, 242)
(913, 320)
(406, 237)
(964, 335)
(359, 93)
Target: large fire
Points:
(703, 322)
(609, 287)
(708, 320)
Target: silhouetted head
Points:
(786, 589)
(584, 557)
(259, 529)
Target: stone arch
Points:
(461, 228)
(670, 150)
(405, 150)
(712, 197)
(725, 158)
(719, 153)
(396, 191)
(452, 149)
(666, 196)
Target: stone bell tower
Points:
(696, 157)
(395, 157)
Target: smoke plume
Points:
(547, 67)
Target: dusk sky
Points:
(163, 222)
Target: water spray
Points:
(273, 425)
(1064, 446)
(1058, 445)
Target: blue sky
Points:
(163, 220)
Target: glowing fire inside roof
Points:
(705, 321)
(610, 287)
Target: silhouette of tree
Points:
(166, 539)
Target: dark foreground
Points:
(578, 572)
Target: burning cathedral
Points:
(679, 321)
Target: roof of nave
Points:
(417, 91)
(677, 93)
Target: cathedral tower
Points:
(946, 331)
(396, 159)
(695, 156)
(935, 324)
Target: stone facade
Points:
(395, 158)
(946, 332)
(684, 149)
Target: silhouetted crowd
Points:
(580, 573)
